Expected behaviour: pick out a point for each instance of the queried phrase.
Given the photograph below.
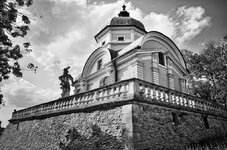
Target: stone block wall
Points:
(160, 128)
(99, 129)
(133, 125)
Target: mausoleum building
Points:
(131, 95)
(126, 50)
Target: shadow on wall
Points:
(97, 141)
(210, 144)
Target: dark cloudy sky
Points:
(62, 34)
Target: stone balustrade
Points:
(134, 90)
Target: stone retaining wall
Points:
(160, 128)
(100, 129)
(134, 125)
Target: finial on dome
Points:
(123, 13)
(123, 7)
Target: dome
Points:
(126, 21)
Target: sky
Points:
(62, 34)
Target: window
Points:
(161, 58)
(99, 64)
(120, 38)
(206, 122)
(103, 43)
(176, 119)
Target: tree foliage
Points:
(13, 24)
(208, 71)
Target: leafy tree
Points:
(13, 24)
(208, 71)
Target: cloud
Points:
(160, 22)
(65, 34)
(191, 23)
(21, 93)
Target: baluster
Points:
(154, 94)
(84, 99)
(180, 100)
(159, 95)
(89, 98)
(202, 105)
(177, 99)
(61, 105)
(205, 106)
(148, 92)
(196, 104)
(186, 101)
(108, 93)
(112, 92)
(170, 98)
(75, 101)
(119, 90)
(100, 94)
(104, 93)
(55, 105)
(67, 103)
(174, 98)
(97, 95)
(124, 90)
(142, 89)
(71, 102)
(94, 96)
(165, 99)
(80, 99)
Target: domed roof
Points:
(125, 19)
(121, 21)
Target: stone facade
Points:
(100, 129)
(132, 126)
(156, 128)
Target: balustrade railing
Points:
(131, 89)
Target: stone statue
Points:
(65, 82)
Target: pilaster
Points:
(111, 74)
(137, 69)
(171, 81)
(170, 74)
(83, 85)
(183, 85)
(154, 68)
